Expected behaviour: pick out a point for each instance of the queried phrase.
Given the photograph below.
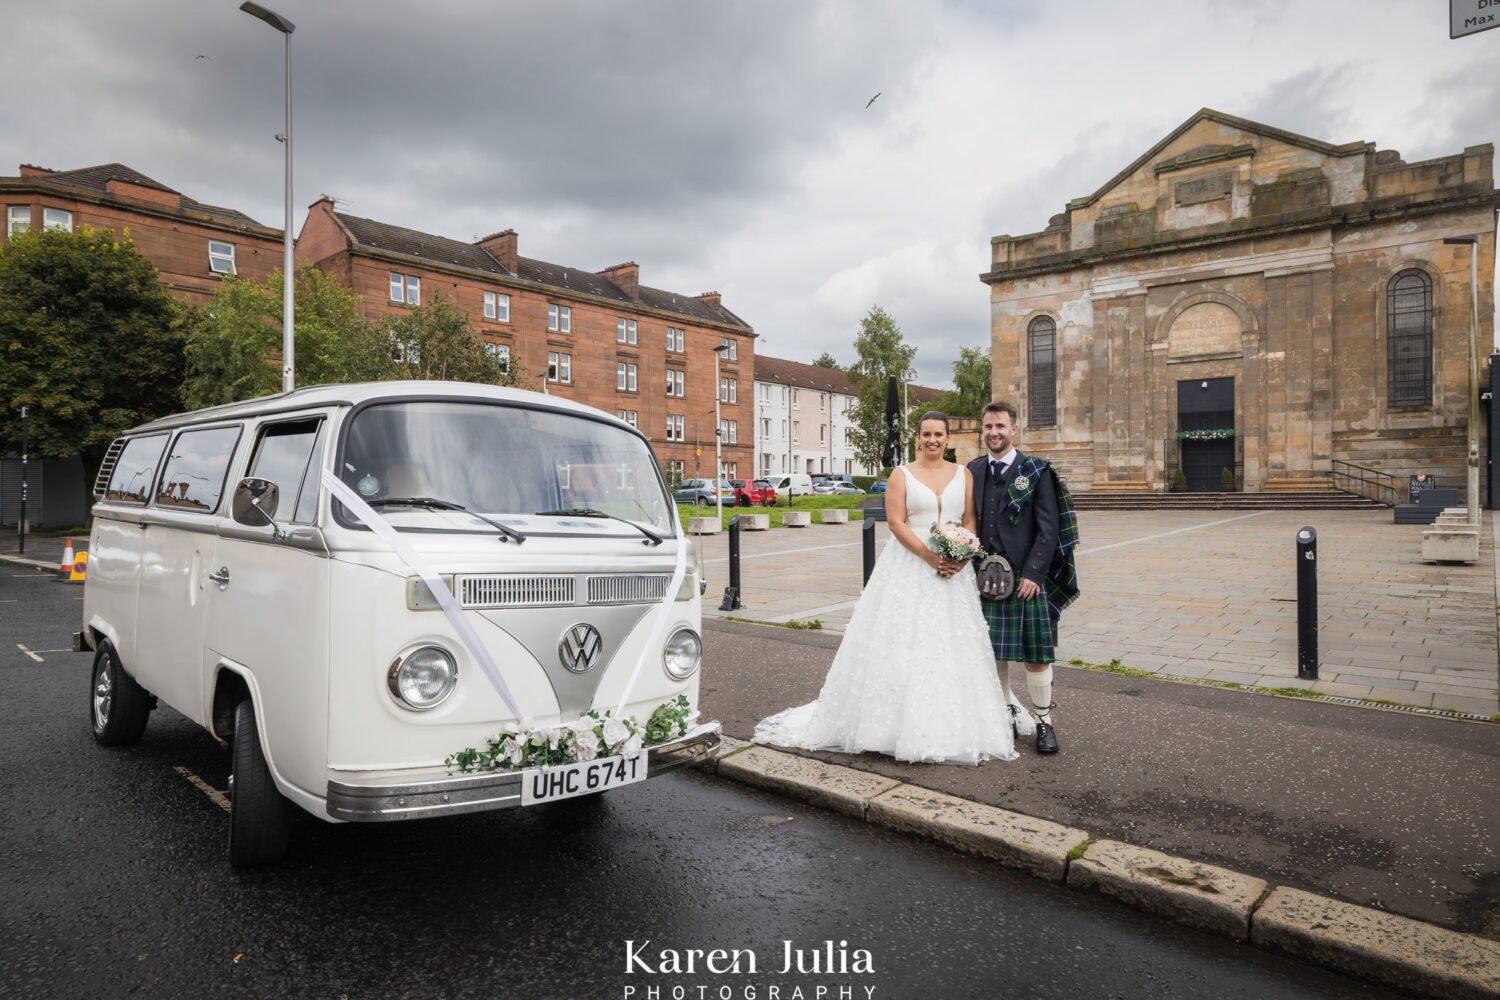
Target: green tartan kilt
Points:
(1021, 630)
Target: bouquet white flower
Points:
(953, 541)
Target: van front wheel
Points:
(259, 817)
(118, 706)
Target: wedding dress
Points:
(915, 676)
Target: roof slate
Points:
(780, 371)
(438, 249)
(97, 179)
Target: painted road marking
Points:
(28, 652)
(215, 796)
(787, 552)
(1164, 534)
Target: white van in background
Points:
(798, 483)
(362, 589)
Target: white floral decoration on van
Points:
(592, 735)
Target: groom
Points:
(1015, 499)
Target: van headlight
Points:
(682, 653)
(423, 678)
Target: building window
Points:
(675, 339)
(497, 307)
(56, 218)
(796, 430)
(821, 431)
(1041, 371)
(676, 383)
(406, 288)
(1408, 340)
(765, 426)
(674, 471)
(220, 257)
(676, 427)
(794, 397)
(765, 393)
(625, 331)
(731, 470)
(729, 431)
(625, 376)
(17, 219)
(559, 318)
(728, 390)
(559, 367)
(500, 352)
(733, 353)
(822, 401)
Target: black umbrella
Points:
(891, 454)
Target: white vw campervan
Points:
(396, 600)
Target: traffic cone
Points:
(79, 569)
(66, 569)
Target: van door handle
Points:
(221, 577)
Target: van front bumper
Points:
(386, 797)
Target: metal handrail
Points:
(1383, 484)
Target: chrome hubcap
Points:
(103, 693)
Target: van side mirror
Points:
(255, 502)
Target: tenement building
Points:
(646, 355)
(802, 419)
(1245, 308)
(193, 246)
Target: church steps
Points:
(1321, 499)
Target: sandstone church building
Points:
(1252, 307)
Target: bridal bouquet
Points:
(954, 541)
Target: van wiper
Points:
(506, 531)
(652, 537)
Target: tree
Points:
(234, 342)
(882, 354)
(90, 341)
(825, 360)
(437, 341)
(971, 381)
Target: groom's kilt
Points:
(1020, 630)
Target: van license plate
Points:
(585, 778)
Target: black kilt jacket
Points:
(1030, 543)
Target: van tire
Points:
(118, 707)
(259, 816)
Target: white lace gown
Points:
(915, 675)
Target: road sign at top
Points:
(1465, 17)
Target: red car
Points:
(757, 491)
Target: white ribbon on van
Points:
(383, 530)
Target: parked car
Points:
(322, 588)
(703, 492)
(756, 492)
(878, 486)
(844, 489)
(797, 484)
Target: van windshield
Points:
(500, 460)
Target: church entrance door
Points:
(1206, 407)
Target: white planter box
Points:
(1450, 545)
(755, 522)
(796, 518)
(704, 526)
(833, 515)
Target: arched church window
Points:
(1041, 371)
(1408, 339)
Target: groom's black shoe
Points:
(1046, 737)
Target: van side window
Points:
(194, 477)
(286, 454)
(135, 469)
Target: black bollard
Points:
(731, 600)
(1307, 604)
(867, 533)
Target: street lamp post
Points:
(288, 268)
(1472, 242)
(718, 437)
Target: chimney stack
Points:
(27, 170)
(626, 277)
(712, 298)
(502, 247)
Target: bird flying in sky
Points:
(872, 100)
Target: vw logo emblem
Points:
(580, 647)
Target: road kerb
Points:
(1397, 951)
(1187, 892)
(1033, 845)
(842, 789)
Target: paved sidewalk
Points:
(1207, 594)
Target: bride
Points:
(915, 675)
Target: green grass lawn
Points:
(849, 502)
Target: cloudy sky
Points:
(724, 145)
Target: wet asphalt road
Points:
(116, 884)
